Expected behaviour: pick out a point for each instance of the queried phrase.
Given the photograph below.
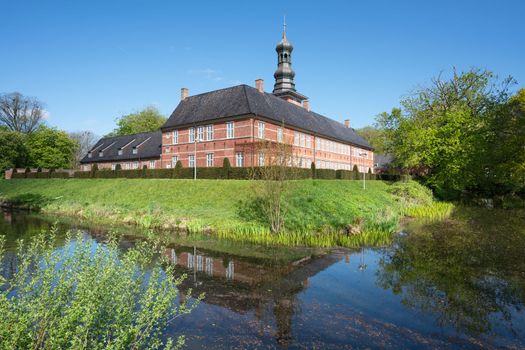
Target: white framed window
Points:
(152, 164)
(191, 161)
(135, 150)
(308, 141)
(239, 159)
(230, 130)
(209, 132)
(89, 155)
(135, 165)
(279, 134)
(200, 133)
(296, 138)
(261, 158)
(302, 140)
(100, 154)
(174, 160)
(191, 134)
(261, 129)
(175, 137)
(113, 166)
(120, 151)
(209, 159)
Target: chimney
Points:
(306, 105)
(347, 123)
(259, 85)
(184, 94)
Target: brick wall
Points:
(327, 154)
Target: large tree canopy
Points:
(460, 134)
(149, 119)
(20, 113)
(13, 151)
(51, 148)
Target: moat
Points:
(455, 284)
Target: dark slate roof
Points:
(243, 100)
(150, 148)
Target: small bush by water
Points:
(88, 296)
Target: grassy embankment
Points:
(317, 211)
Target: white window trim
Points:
(230, 130)
(209, 132)
(200, 133)
(261, 129)
(209, 159)
(239, 159)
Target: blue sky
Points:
(92, 61)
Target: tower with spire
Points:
(284, 86)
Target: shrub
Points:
(118, 167)
(82, 174)
(94, 169)
(177, 170)
(226, 166)
(356, 172)
(312, 168)
(327, 174)
(411, 193)
(90, 296)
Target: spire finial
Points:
(284, 27)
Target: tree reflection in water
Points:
(469, 271)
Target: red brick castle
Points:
(206, 128)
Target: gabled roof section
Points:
(244, 100)
(150, 147)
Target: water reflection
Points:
(469, 272)
(458, 284)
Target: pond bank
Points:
(318, 212)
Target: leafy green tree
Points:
(149, 119)
(375, 136)
(13, 151)
(51, 148)
(442, 130)
(89, 296)
(505, 139)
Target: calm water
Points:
(458, 284)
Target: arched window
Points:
(285, 56)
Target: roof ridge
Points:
(247, 99)
(127, 135)
(213, 91)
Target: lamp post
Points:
(195, 155)
(364, 154)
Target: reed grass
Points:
(435, 211)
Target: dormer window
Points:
(135, 150)
(89, 155)
(100, 154)
(120, 151)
